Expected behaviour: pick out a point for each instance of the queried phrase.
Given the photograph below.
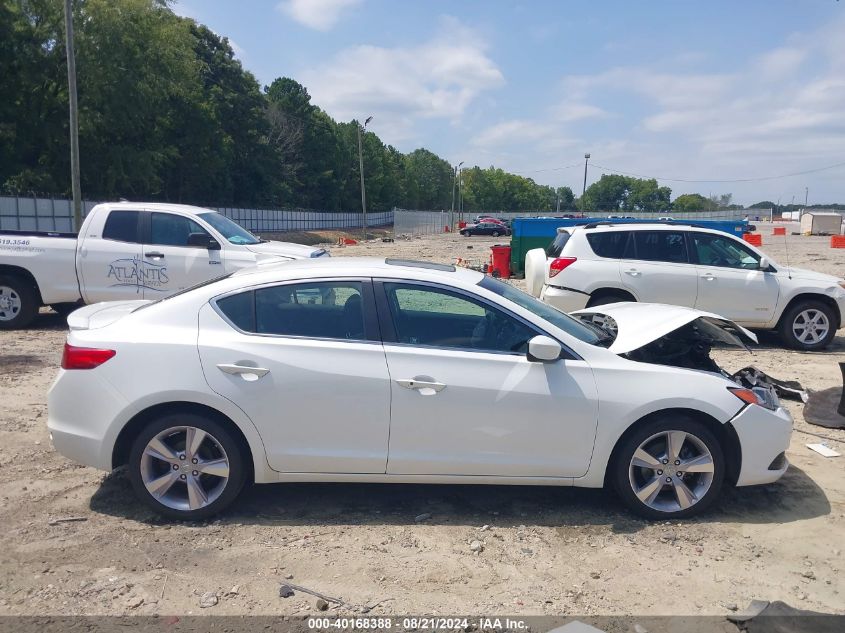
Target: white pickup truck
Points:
(126, 250)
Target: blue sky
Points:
(708, 90)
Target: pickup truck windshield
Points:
(235, 233)
(554, 316)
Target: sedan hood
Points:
(636, 325)
(287, 249)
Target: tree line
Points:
(168, 113)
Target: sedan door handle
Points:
(633, 272)
(708, 276)
(246, 372)
(155, 255)
(425, 387)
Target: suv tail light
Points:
(559, 264)
(84, 357)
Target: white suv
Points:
(689, 266)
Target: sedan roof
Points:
(357, 267)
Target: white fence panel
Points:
(54, 214)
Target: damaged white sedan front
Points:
(681, 337)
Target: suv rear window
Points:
(609, 244)
(556, 247)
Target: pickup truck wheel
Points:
(18, 303)
(670, 467)
(186, 466)
(808, 326)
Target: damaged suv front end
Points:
(681, 337)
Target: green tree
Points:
(692, 202)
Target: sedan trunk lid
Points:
(99, 315)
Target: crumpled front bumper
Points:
(764, 436)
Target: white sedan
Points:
(364, 370)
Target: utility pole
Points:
(586, 160)
(361, 167)
(74, 117)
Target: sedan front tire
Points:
(671, 467)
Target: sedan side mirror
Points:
(764, 263)
(543, 349)
(203, 240)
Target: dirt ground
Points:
(545, 550)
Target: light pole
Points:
(74, 116)
(361, 168)
(586, 160)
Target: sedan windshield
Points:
(554, 316)
(235, 233)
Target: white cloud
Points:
(775, 113)
(439, 78)
(320, 15)
(514, 132)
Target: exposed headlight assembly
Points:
(761, 396)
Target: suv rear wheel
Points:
(604, 298)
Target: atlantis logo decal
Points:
(141, 274)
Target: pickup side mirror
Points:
(764, 263)
(203, 240)
(543, 349)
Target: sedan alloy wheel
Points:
(671, 471)
(187, 466)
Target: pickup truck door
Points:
(109, 259)
(170, 263)
(656, 268)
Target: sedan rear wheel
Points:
(671, 467)
(186, 466)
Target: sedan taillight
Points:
(84, 357)
(560, 264)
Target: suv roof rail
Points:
(593, 225)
